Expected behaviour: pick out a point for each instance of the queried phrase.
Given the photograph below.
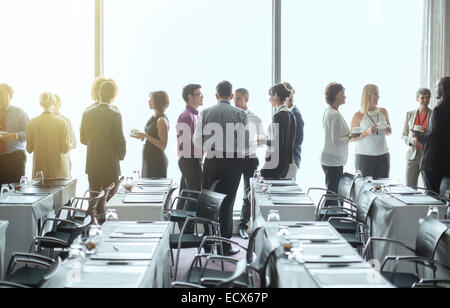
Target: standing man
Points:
(293, 169)
(251, 163)
(190, 158)
(102, 133)
(435, 163)
(221, 131)
(13, 122)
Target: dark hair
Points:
(282, 91)
(331, 91)
(160, 100)
(107, 91)
(445, 84)
(189, 90)
(224, 89)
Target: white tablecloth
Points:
(319, 274)
(154, 273)
(262, 205)
(24, 222)
(136, 211)
(3, 227)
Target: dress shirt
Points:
(256, 129)
(187, 117)
(16, 121)
(216, 119)
(335, 151)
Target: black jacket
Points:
(286, 137)
(102, 133)
(436, 155)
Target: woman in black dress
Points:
(154, 160)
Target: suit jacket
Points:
(48, 138)
(286, 139)
(407, 135)
(436, 155)
(102, 133)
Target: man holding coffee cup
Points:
(416, 120)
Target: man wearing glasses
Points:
(190, 158)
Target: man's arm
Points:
(119, 137)
(84, 129)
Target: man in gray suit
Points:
(222, 132)
(102, 133)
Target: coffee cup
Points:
(134, 133)
(418, 128)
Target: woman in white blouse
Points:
(372, 153)
(335, 151)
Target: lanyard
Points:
(418, 118)
(375, 123)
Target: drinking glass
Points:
(111, 215)
(433, 212)
(39, 176)
(4, 189)
(369, 179)
(23, 181)
(128, 184)
(256, 174)
(358, 174)
(136, 175)
(274, 215)
(265, 188)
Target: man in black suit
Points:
(101, 132)
(435, 163)
(222, 132)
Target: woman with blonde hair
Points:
(47, 137)
(372, 153)
(154, 160)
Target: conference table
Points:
(285, 196)
(131, 255)
(318, 257)
(26, 210)
(395, 213)
(145, 201)
(3, 227)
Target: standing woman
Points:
(419, 117)
(372, 153)
(154, 160)
(280, 149)
(335, 151)
(48, 138)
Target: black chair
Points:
(9, 285)
(207, 214)
(428, 238)
(233, 281)
(168, 202)
(186, 207)
(32, 272)
(61, 237)
(200, 268)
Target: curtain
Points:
(435, 42)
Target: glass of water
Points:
(111, 215)
(274, 215)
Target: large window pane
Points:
(353, 42)
(164, 45)
(47, 45)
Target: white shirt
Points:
(335, 151)
(373, 145)
(256, 129)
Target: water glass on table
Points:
(4, 189)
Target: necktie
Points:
(2, 128)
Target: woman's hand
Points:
(140, 136)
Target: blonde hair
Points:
(5, 87)
(47, 100)
(368, 90)
(96, 87)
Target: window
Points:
(353, 42)
(48, 45)
(165, 45)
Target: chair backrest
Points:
(430, 233)
(445, 187)
(345, 178)
(364, 204)
(251, 253)
(190, 205)
(168, 202)
(209, 204)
